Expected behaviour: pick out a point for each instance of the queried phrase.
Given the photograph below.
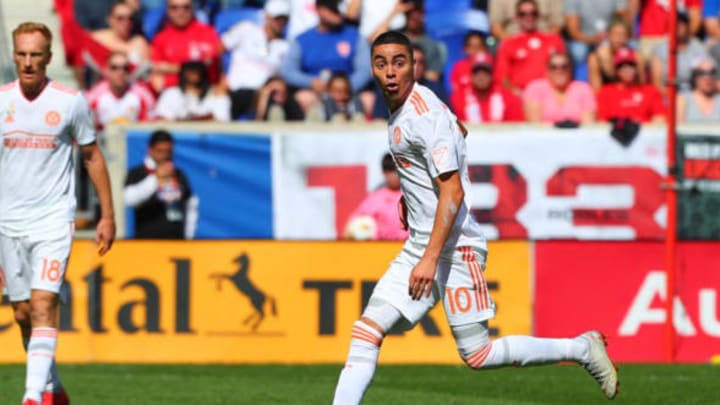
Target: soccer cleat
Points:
(30, 402)
(55, 398)
(599, 365)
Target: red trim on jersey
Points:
(22, 132)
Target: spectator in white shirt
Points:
(256, 52)
(194, 99)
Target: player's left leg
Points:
(468, 307)
(588, 350)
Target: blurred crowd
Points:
(560, 62)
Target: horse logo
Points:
(242, 283)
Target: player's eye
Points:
(380, 65)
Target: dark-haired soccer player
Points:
(444, 258)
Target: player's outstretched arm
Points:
(449, 200)
(95, 164)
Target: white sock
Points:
(41, 352)
(360, 366)
(527, 351)
(54, 384)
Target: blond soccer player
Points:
(40, 120)
(444, 258)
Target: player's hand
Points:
(165, 170)
(3, 282)
(402, 213)
(105, 235)
(421, 279)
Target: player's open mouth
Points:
(391, 86)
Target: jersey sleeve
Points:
(439, 138)
(83, 129)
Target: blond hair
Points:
(32, 27)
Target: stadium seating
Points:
(452, 21)
(231, 16)
(152, 4)
(432, 6)
(151, 21)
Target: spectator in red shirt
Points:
(523, 57)
(654, 21)
(460, 75)
(628, 98)
(183, 39)
(483, 100)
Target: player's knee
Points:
(372, 324)
(43, 308)
(476, 359)
(366, 331)
(473, 343)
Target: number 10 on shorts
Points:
(51, 270)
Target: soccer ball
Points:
(362, 227)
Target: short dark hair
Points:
(338, 75)
(393, 37)
(521, 2)
(158, 136)
(473, 33)
(388, 163)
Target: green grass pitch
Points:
(275, 384)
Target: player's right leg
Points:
(54, 393)
(389, 306)
(367, 336)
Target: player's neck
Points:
(31, 92)
(396, 104)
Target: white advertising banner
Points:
(537, 183)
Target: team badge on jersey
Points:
(10, 115)
(397, 136)
(52, 118)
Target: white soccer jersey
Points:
(37, 184)
(425, 141)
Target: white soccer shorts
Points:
(459, 283)
(34, 263)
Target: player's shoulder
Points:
(59, 88)
(8, 87)
(424, 101)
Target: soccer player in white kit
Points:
(40, 120)
(444, 257)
